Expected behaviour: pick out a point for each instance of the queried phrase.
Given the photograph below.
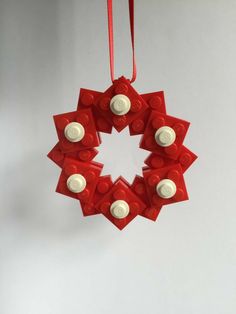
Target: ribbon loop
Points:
(111, 38)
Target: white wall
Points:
(52, 260)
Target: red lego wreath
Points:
(120, 106)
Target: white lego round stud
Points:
(120, 104)
(76, 183)
(74, 132)
(119, 209)
(165, 136)
(166, 188)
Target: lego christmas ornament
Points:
(118, 107)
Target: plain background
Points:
(52, 260)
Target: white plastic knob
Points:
(166, 188)
(119, 209)
(165, 136)
(76, 183)
(74, 132)
(120, 104)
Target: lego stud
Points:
(120, 104)
(76, 183)
(119, 209)
(165, 136)
(74, 132)
(166, 188)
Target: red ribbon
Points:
(111, 37)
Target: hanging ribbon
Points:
(111, 37)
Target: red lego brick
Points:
(85, 118)
(103, 186)
(120, 191)
(57, 156)
(185, 158)
(90, 172)
(154, 177)
(156, 102)
(121, 88)
(156, 122)
(138, 125)
(139, 188)
(87, 99)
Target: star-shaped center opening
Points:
(121, 155)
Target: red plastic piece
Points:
(138, 105)
(155, 101)
(185, 158)
(57, 156)
(157, 120)
(87, 99)
(89, 170)
(103, 186)
(153, 176)
(85, 117)
(139, 188)
(120, 191)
